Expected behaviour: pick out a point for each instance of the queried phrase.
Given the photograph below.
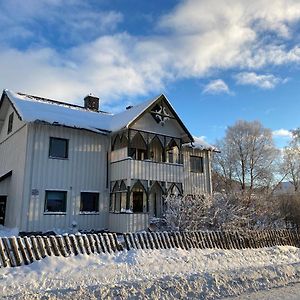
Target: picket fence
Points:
(17, 251)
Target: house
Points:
(65, 165)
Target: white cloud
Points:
(192, 41)
(283, 133)
(217, 86)
(267, 81)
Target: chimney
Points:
(91, 102)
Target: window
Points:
(58, 148)
(89, 202)
(56, 201)
(196, 164)
(10, 123)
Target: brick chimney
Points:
(91, 102)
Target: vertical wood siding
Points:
(12, 157)
(196, 182)
(146, 170)
(84, 170)
(128, 222)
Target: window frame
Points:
(46, 212)
(66, 150)
(10, 123)
(193, 170)
(89, 212)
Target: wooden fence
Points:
(212, 239)
(17, 251)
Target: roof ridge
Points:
(59, 102)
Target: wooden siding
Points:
(197, 182)
(84, 170)
(147, 123)
(128, 222)
(17, 123)
(146, 170)
(12, 157)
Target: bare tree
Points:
(248, 157)
(291, 160)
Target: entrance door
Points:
(2, 209)
(137, 201)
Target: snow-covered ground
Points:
(163, 274)
(289, 292)
(7, 232)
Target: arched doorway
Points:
(156, 201)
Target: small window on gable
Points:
(196, 164)
(89, 202)
(58, 148)
(10, 123)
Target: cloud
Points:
(282, 133)
(66, 50)
(268, 81)
(217, 86)
(64, 23)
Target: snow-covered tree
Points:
(220, 212)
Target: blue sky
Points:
(217, 61)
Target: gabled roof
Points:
(36, 109)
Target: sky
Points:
(217, 61)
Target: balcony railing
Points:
(146, 170)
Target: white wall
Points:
(128, 222)
(197, 182)
(146, 170)
(84, 170)
(147, 123)
(12, 157)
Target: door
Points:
(2, 209)
(137, 201)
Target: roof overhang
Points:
(6, 175)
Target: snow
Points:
(200, 144)
(161, 274)
(289, 292)
(8, 232)
(33, 110)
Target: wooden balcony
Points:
(129, 168)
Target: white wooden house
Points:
(64, 165)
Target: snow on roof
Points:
(200, 144)
(34, 109)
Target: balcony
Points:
(146, 170)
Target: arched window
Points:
(173, 155)
(118, 197)
(138, 147)
(156, 150)
(119, 142)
